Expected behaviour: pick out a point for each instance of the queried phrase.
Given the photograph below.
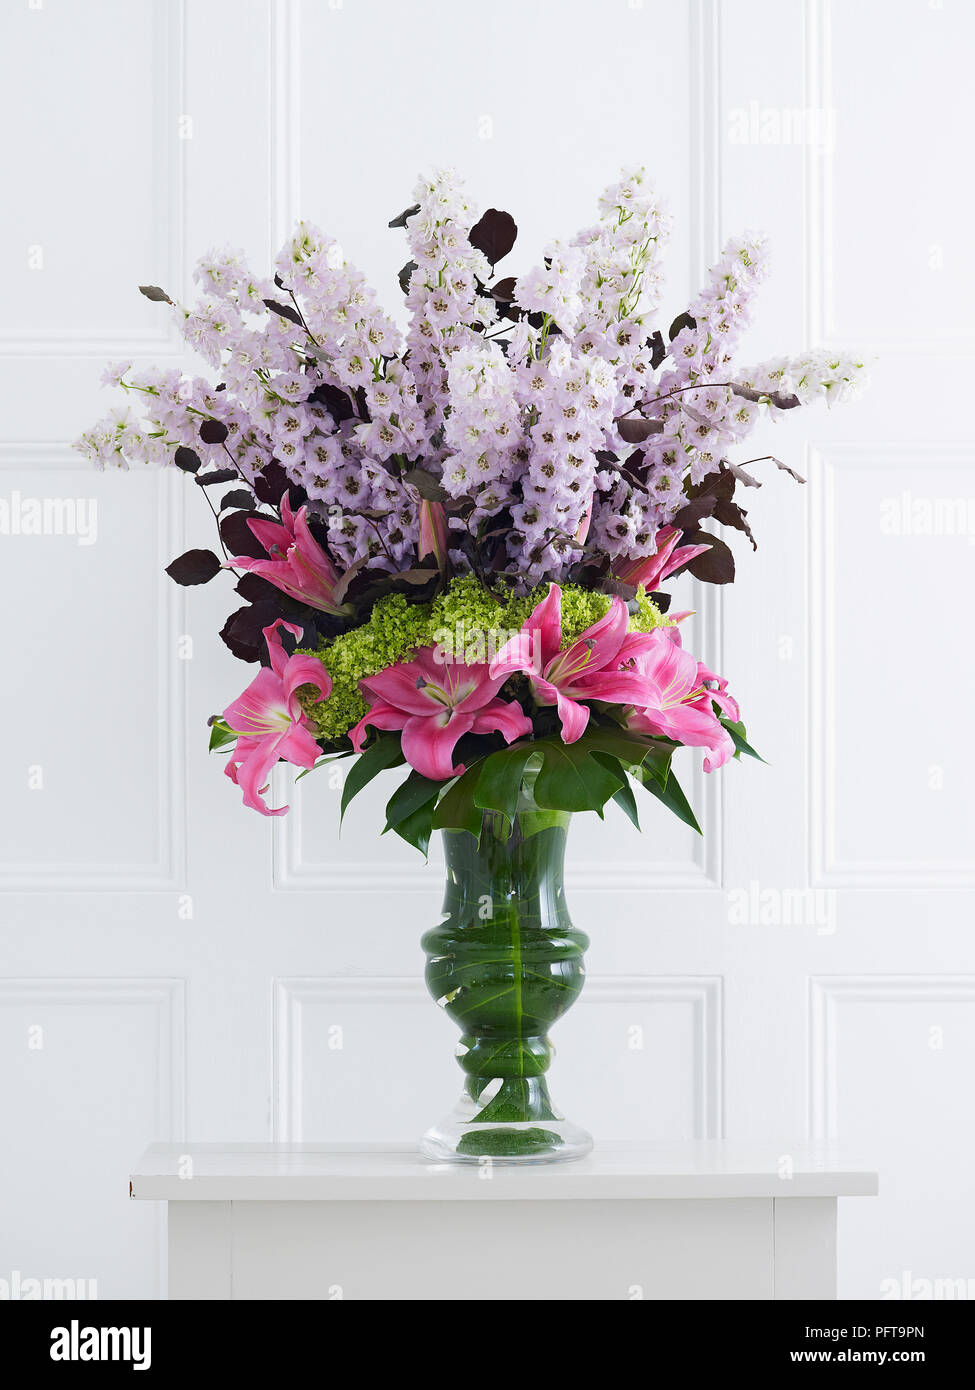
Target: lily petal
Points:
(381, 715)
(428, 743)
(279, 657)
(254, 775)
(504, 717)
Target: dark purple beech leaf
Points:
(426, 484)
(278, 281)
(658, 349)
(154, 293)
(221, 387)
(494, 234)
(243, 634)
(256, 589)
(662, 601)
(634, 429)
(217, 475)
(730, 514)
(187, 459)
(720, 484)
(511, 312)
(270, 483)
(418, 576)
(238, 537)
(240, 498)
(371, 513)
(284, 311)
(504, 290)
(786, 469)
(405, 275)
(716, 565)
(692, 512)
(342, 587)
(681, 322)
(780, 399)
(741, 475)
(335, 401)
(604, 457)
(610, 585)
(362, 403)
(213, 431)
(194, 567)
(402, 218)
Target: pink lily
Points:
(681, 707)
(652, 570)
(435, 703)
(296, 562)
(270, 723)
(601, 664)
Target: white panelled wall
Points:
(174, 967)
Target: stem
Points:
(237, 466)
(698, 386)
(216, 517)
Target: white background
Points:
(187, 962)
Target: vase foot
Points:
(529, 1141)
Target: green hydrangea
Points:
(467, 621)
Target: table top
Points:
(398, 1172)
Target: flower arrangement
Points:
(450, 544)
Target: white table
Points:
(656, 1221)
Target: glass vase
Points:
(505, 963)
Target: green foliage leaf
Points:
(331, 758)
(456, 809)
(624, 798)
(384, 753)
(569, 779)
(408, 798)
(671, 795)
(499, 783)
(220, 735)
(417, 827)
(737, 732)
(632, 749)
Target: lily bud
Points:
(433, 532)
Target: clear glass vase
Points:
(505, 963)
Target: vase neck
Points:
(523, 860)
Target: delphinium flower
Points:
(568, 399)
(820, 374)
(555, 424)
(483, 431)
(442, 297)
(698, 413)
(622, 281)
